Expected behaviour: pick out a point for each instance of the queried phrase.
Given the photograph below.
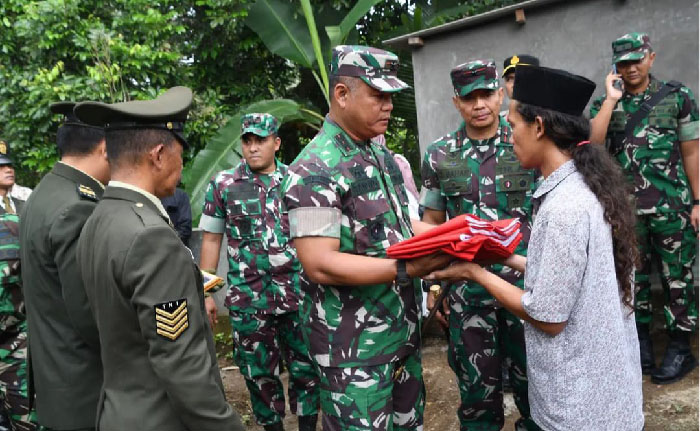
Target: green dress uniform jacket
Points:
(64, 345)
(158, 353)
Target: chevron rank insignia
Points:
(86, 192)
(171, 318)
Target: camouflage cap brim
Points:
(482, 84)
(628, 56)
(386, 84)
(263, 133)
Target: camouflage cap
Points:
(376, 67)
(631, 46)
(260, 124)
(474, 75)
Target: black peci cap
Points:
(553, 89)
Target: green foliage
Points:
(224, 344)
(114, 50)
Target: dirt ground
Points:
(666, 408)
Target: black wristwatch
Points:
(696, 202)
(402, 278)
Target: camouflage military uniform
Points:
(653, 163)
(482, 177)
(354, 191)
(13, 327)
(263, 286)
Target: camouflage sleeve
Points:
(430, 196)
(687, 116)
(214, 211)
(312, 199)
(595, 106)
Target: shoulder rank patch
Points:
(171, 318)
(87, 193)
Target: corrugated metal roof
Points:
(402, 41)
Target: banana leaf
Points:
(283, 30)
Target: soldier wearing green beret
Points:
(473, 170)
(651, 128)
(263, 277)
(144, 288)
(347, 204)
(64, 346)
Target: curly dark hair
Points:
(605, 179)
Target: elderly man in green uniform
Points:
(64, 347)
(347, 204)
(263, 277)
(146, 292)
(8, 204)
(474, 171)
(651, 128)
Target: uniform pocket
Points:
(370, 229)
(244, 218)
(455, 176)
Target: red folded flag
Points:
(467, 237)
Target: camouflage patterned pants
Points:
(670, 240)
(259, 342)
(13, 381)
(369, 399)
(480, 338)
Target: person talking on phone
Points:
(651, 128)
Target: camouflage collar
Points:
(554, 179)
(461, 135)
(243, 172)
(341, 139)
(653, 87)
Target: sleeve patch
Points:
(86, 192)
(171, 318)
(314, 221)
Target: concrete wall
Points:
(574, 35)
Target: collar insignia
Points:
(87, 192)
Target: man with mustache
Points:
(474, 171)
(655, 141)
(347, 204)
